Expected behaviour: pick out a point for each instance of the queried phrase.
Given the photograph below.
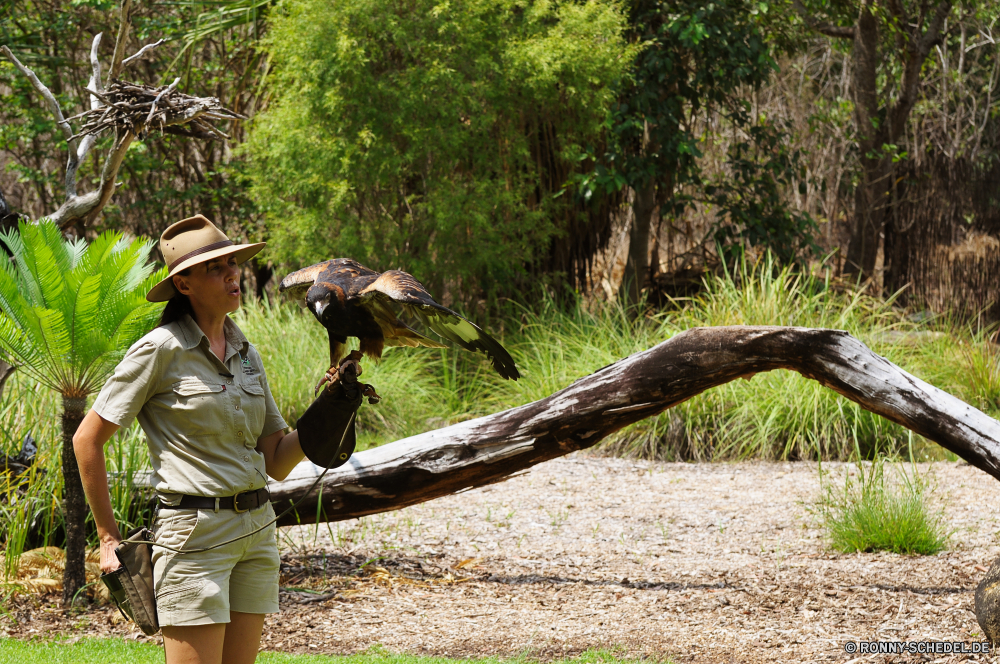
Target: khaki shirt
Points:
(202, 417)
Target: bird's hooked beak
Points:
(319, 304)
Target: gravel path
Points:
(692, 562)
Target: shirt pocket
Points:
(200, 404)
(254, 406)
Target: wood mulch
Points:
(691, 562)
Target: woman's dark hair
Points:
(177, 306)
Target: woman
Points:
(199, 391)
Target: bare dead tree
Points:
(127, 110)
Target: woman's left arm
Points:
(281, 451)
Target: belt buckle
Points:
(236, 502)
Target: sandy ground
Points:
(691, 562)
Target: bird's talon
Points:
(369, 391)
(330, 376)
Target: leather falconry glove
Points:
(327, 430)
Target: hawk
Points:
(350, 300)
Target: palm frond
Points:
(15, 305)
(116, 270)
(61, 249)
(69, 309)
(140, 318)
(117, 307)
(55, 342)
(98, 251)
(16, 345)
(76, 249)
(51, 265)
(141, 266)
(83, 323)
(29, 285)
(229, 14)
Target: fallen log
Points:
(490, 449)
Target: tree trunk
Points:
(637, 264)
(914, 40)
(74, 502)
(869, 197)
(6, 371)
(643, 205)
(492, 448)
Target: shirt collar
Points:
(193, 335)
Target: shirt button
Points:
(237, 406)
(239, 434)
(246, 457)
(229, 382)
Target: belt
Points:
(241, 502)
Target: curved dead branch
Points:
(492, 448)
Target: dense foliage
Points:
(488, 129)
(692, 81)
(424, 135)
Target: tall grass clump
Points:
(878, 511)
(778, 414)
(983, 373)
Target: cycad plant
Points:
(69, 311)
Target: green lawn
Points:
(123, 651)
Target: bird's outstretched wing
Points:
(299, 282)
(410, 294)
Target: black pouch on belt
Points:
(326, 429)
(131, 585)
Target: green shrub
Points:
(398, 132)
(873, 511)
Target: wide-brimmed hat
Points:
(192, 241)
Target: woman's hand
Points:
(109, 561)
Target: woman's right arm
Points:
(88, 444)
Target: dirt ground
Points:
(691, 562)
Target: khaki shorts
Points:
(202, 588)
